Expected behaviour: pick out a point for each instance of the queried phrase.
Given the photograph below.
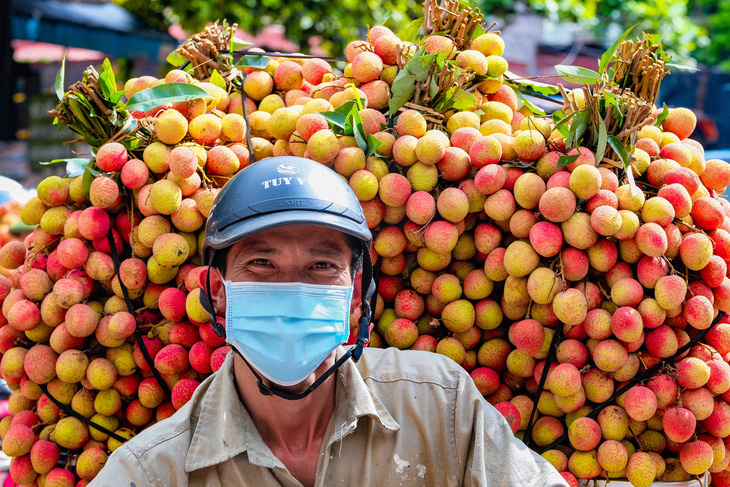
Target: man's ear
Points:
(356, 292)
(217, 290)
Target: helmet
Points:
(281, 191)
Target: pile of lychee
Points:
(485, 242)
(483, 245)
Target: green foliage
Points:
(694, 28)
(336, 24)
(714, 17)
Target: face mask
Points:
(286, 330)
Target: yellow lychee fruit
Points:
(166, 196)
(205, 129)
(171, 127)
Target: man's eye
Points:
(322, 265)
(259, 262)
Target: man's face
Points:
(297, 253)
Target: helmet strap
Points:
(206, 300)
(275, 391)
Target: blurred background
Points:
(137, 35)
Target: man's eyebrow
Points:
(258, 248)
(327, 249)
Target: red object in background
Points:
(4, 411)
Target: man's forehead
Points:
(310, 238)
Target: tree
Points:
(336, 25)
(606, 19)
(684, 26)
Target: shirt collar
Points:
(355, 399)
(225, 429)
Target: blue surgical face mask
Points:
(285, 330)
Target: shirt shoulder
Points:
(393, 365)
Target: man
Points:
(291, 406)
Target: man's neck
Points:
(282, 423)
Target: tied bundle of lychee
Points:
(486, 245)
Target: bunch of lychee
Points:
(486, 243)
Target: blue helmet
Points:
(282, 191)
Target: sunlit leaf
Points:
(602, 141)
(217, 80)
(176, 59)
(566, 159)
(335, 118)
(259, 62)
(532, 107)
(410, 33)
(577, 74)
(608, 55)
(107, 81)
(681, 67)
(463, 100)
(373, 144)
(166, 93)
(237, 44)
(60, 85)
(662, 116)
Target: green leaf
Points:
(620, 150)
(420, 66)
(608, 55)
(176, 59)
(602, 141)
(335, 118)
(74, 166)
(86, 181)
(402, 91)
(681, 67)
(463, 100)
(577, 129)
(577, 74)
(653, 38)
(566, 159)
(373, 144)
(478, 32)
(259, 62)
(354, 126)
(237, 44)
(217, 80)
(116, 97)
(21, 227)
(411, 33)
(107, 81)
(532, 107)
(561, 125)
(662, 116)
(384, 18)
(433, 90)
(166, 93)
(530, 85)
(347, 107)
(60, 84)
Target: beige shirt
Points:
(401, 418)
